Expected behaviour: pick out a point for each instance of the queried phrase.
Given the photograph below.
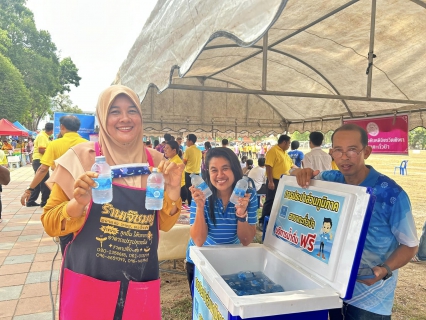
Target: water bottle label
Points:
(202, 186)
(103, 183)
(239, 192)
(152, 192)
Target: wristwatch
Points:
(384, 265)
(244, 219)
(31, 189)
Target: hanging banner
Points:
(387, 134)
(87, 124)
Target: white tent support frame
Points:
(412, 106)
(266, 48)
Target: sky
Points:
(96, 34)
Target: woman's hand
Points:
(172, 173)
(241, 206)
(83, 187)
(198, 196)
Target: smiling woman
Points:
(114, 250)
(216, 220)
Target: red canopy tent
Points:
(8, 129)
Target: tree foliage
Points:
(417, 138)
(296, 135)
(33, 53)
(63, 103)
(13, 92)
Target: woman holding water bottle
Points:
(216, 220)
(110, 269)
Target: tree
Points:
(63, 103)
(68, 75)
(14, 96)
(417, 138)
(296, 135)
(34, 54)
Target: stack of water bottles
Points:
(246, 283)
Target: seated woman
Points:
(215, 220)
(110, 269)
(248, 167)
(243, 162)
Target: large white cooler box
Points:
(314, 280)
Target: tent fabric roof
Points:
(21, 127)
(8, 129)
(207, 59)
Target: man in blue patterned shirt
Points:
(391, 237)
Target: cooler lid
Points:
(321, 229)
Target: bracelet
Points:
(292, 170)
(242, 219)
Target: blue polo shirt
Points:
(391, 224)
(225, 229)
(297, 157)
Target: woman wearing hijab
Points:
(110, 269)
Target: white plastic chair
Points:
(13, 161)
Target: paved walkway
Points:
(26, 254)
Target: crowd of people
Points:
(91, 266)
(9, 146)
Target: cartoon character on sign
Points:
(325, 235)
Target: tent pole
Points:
(289, 36)
(419, 3)
(371, 50)
(265, 61)
(293, 94)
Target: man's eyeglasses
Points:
(351, 153)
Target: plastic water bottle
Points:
(199, 183)
(102, 193)
(239, 190)
(154, 191)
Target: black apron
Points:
(110, 270)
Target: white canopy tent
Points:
(260, 67)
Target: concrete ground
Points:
(26, 254)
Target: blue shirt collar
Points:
(371, 178)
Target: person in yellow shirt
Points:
(253, 151)
(40, 144)
(277, 162)
(69, 125)
(6, 146)
(333, 163)
(3, 159)
(245, 150)
(171, 152)
(192, 160)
